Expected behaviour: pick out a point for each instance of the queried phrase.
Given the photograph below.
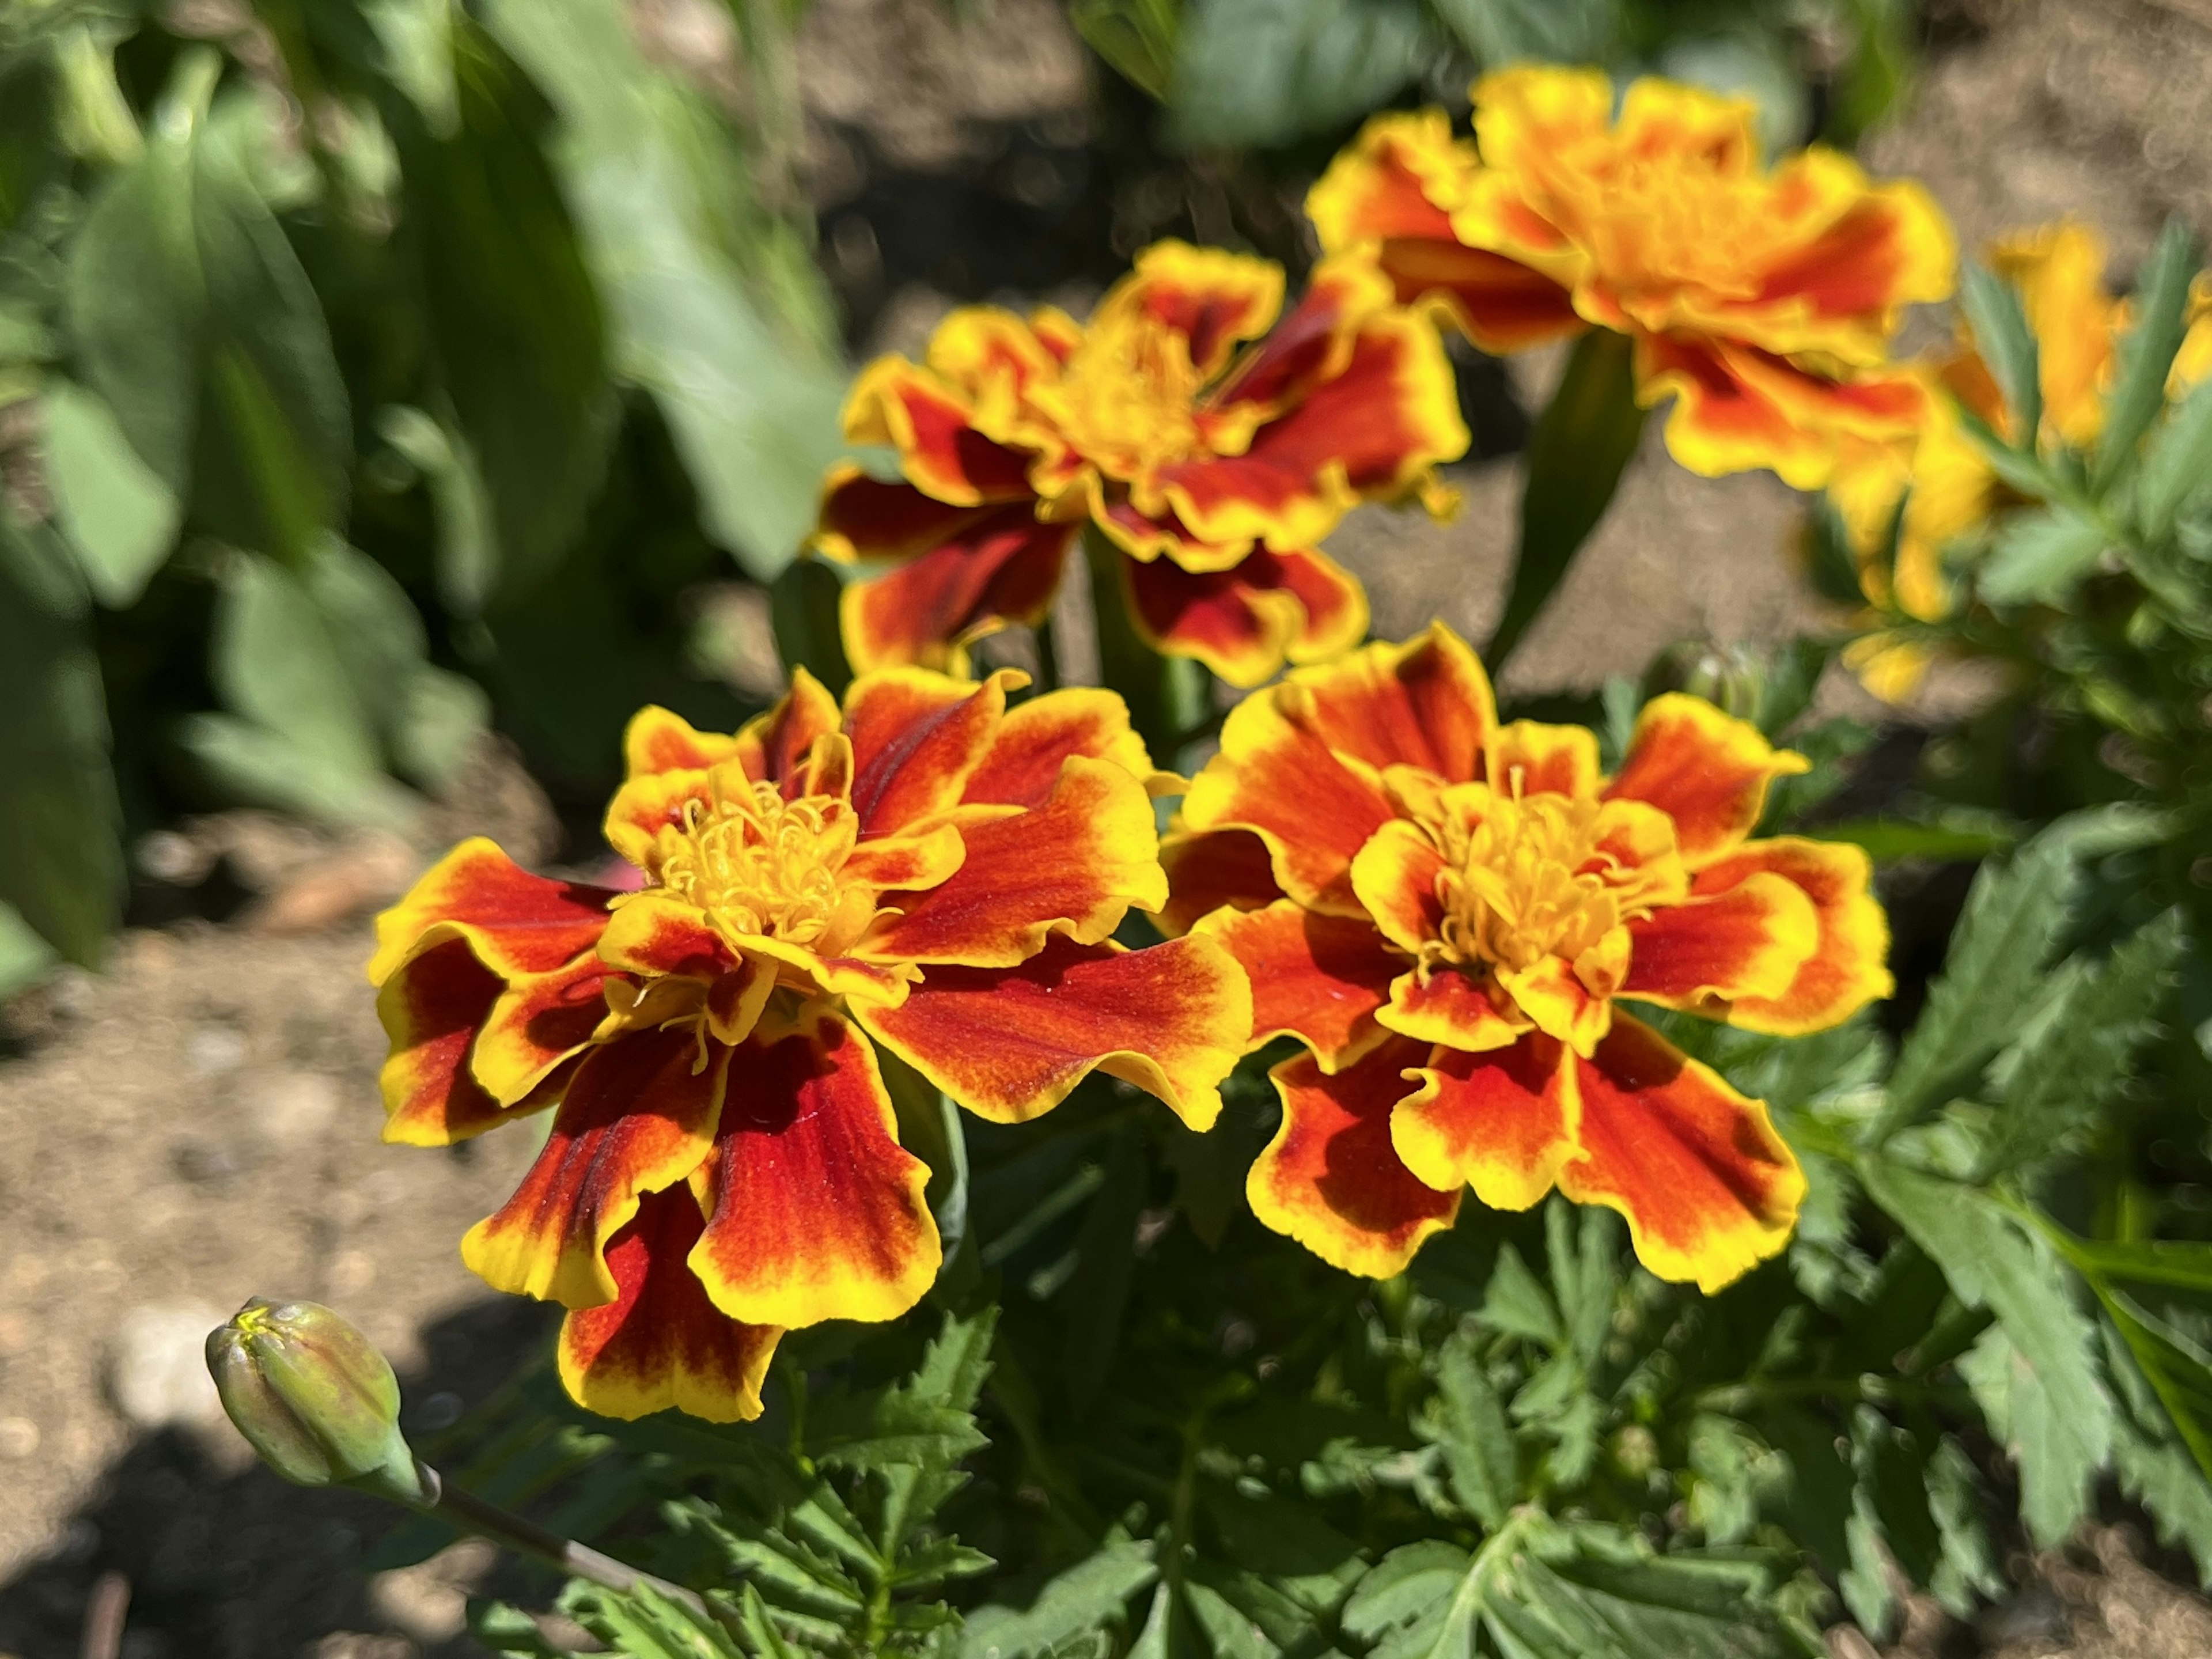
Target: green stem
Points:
(1166, 694)
(1047, 649)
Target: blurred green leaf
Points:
(1093, 1591)
(2008, 345)
(1581, 447)
(2039, 556)
(803, 604)
(1888, 840)
(119, 517)
(1137, 37)
(1264, 72)
(61, 866)
(468, 538)
(1502, 32)
(1477, 1441)
(2145, 354)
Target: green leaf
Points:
(517, 334)
(1990, 976)
(1477, 1440)
(1892, 1494)
(509, 1631)
(2145, 354)
(1502, 32)
(2039, 556)
(2177, 465)
(643, 1624)
(61, 863)
(1970, 1566)
(1254, 74)
(1518, 1304)
(719, 311)
(1580, 447)
(119, 517)
(1137, 37)
(2137, 1280)
(25, 957)
(2062, 1074)
(2033, 1373)
(2008, 345)
(468, 540)
(803, 604)
(1086, 1596)
(2154, 1468)
(1888, 840)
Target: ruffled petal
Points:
(1245, 622)
(1074, 865)
(1397, 179)
(638, 1117)
(1011, 1043)
(1501, 305)
(1529, 758)
(1447, 1006)
(1331, 1179)
(1706, 770)
(1747, 940)
(1845, 970)
(431, 1008)
(773, 745)
(1426, 702)
(659, 740)
(1211, 869)
(1708, 1188)
(933, 426)
(1552, 996)
(516, 922)
(916, 738)
(1317, 978)
(537, 1022)
(1216, 300)
(1395, 877)
(818, 1211)
(1021, 768)
(1002, 568)
(654, 933)
(1502, 1122)
(660, 1343)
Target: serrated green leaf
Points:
(2039, 556)
(2177, 465)
(119, 516)
(1891, 1496)
(1259, 73)
(1581, 1246)
(2146, 353)
(1477, 1440)
(2154, 1468)
(2066, 1071)
(2034, 1373)
(510, 1631)
(2008, 345)
(1082, 1598)
(2137, 1282)
(1229, 1633)
(643, 1624)
(1518, 1304)
(1970, 1566)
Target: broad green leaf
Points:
(2034, 1373)
(517, 331)
(2008, 345)
(1477, 1440)
(720, 313)
(1990, 976)
(2040, 556)
(439, 721)
(468, 538)
(61, 865)
(119, 517)
(2065, 1071)
(2145, 354)
(1086, 1595)
(1502, 32)
(1137, 37)
(24, 958)
(2177, 465)
(803, 604)
(1259, 73)
(1888, 840)
(1580, 447)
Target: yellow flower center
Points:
(1127, 398)
(1526, 878)
(760, 866)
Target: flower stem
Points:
(1166, 694)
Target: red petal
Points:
(1207, 870)
(657, 740)
(775, 745)
(1708, 1188)
(1316, 977)
(537, 1022)
(1502, 1122)
(872, 519)
(1845, 971)
(917, 736)
(895, 402)
(818, 1211)
(1748, 940)
(1556, 760)
(1245, 622)
(638, 1118)
(1212, 297)
(430, 1009)
(1331, 1179)
(1005, 567)
(516, 922)
(1022, 766)
(1706, 770)
(660, 1343)
(1426, 703)
(1447, 1006)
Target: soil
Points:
(197, 1124)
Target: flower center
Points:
(1126, 400)
(762, 867)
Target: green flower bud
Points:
(313, 1395)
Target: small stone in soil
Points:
(160, 1375)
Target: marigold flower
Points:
(1214, 466)
(1936, 487)
(1762, 299)
(926, 870)
(1446, 911)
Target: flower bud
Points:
(313, 1395)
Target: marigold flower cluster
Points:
(1212, 445)
(925, 871)
(1762, 301)
(1934, 488)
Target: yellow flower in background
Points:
(1940, 479)
(1761, 299)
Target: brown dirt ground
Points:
(198, 1123)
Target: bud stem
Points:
(470, 1513)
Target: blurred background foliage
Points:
(378, 374)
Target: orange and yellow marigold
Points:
(1447, 911)
(924, 870)
(1214, 445)
(1761, 300)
